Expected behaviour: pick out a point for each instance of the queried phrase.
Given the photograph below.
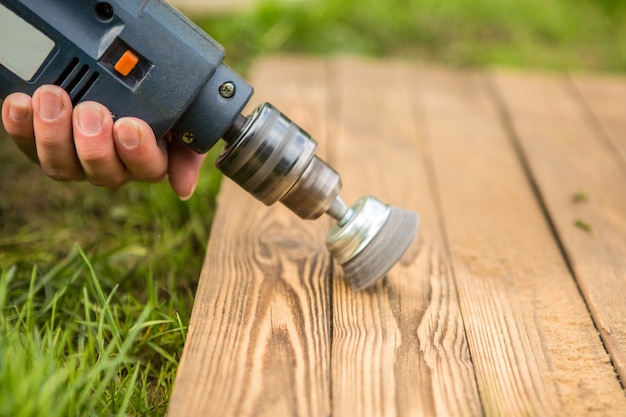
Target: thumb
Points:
(184, 169)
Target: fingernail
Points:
(89, 119)
(128, 133)
(188, 196)
(50, 105)
(19, 110)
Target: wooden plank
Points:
(399, 349)
(271, 335)
(582, 180)
(534, 347)
(606, 97)
(259, 337)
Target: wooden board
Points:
(582, 180)
(398, 349)
(605, 97)
(485, 315)
(534, 347)
(259, 336)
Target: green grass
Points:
(70, 355)
(96, 291)
(554, 34)
(96, 285)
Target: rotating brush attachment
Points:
(273, 159)
(369, 239)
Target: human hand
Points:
(84, 143)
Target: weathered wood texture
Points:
(534, 347)
(259, 337)
(606, 98)
(399, 348)
(491, 311)
(581, 176)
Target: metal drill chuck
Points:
(273, 159)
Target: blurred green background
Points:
(555, 34)
(97, 285)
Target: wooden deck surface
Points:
(512, 301)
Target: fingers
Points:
(52, 122)
(17, 118)
(137, 147)
(112, 154)
(93, 130)
(85, 143)
(184, 169)
(82, 143)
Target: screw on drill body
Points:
(227, 90)
(188, 138)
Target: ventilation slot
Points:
(81, 93)
(74, 80)
(67, 72)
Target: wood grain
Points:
(534, 347)
(399, 349)
(259, 337)
(606, 97)
(489, 312)
(581, 176)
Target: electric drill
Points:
(143, 58)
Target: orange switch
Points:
(127, 63)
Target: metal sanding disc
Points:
(372, 241)
(385, 249)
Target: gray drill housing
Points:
(176, 85)
(175, 80)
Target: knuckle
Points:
(58, 175)
(95, 157)
(64, 174)
(155, 175)
(108, 181)
(48, 142)
(149, 171)
(17, 133)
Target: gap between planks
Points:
(509, 270)
(271, 334)
(575, 150)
